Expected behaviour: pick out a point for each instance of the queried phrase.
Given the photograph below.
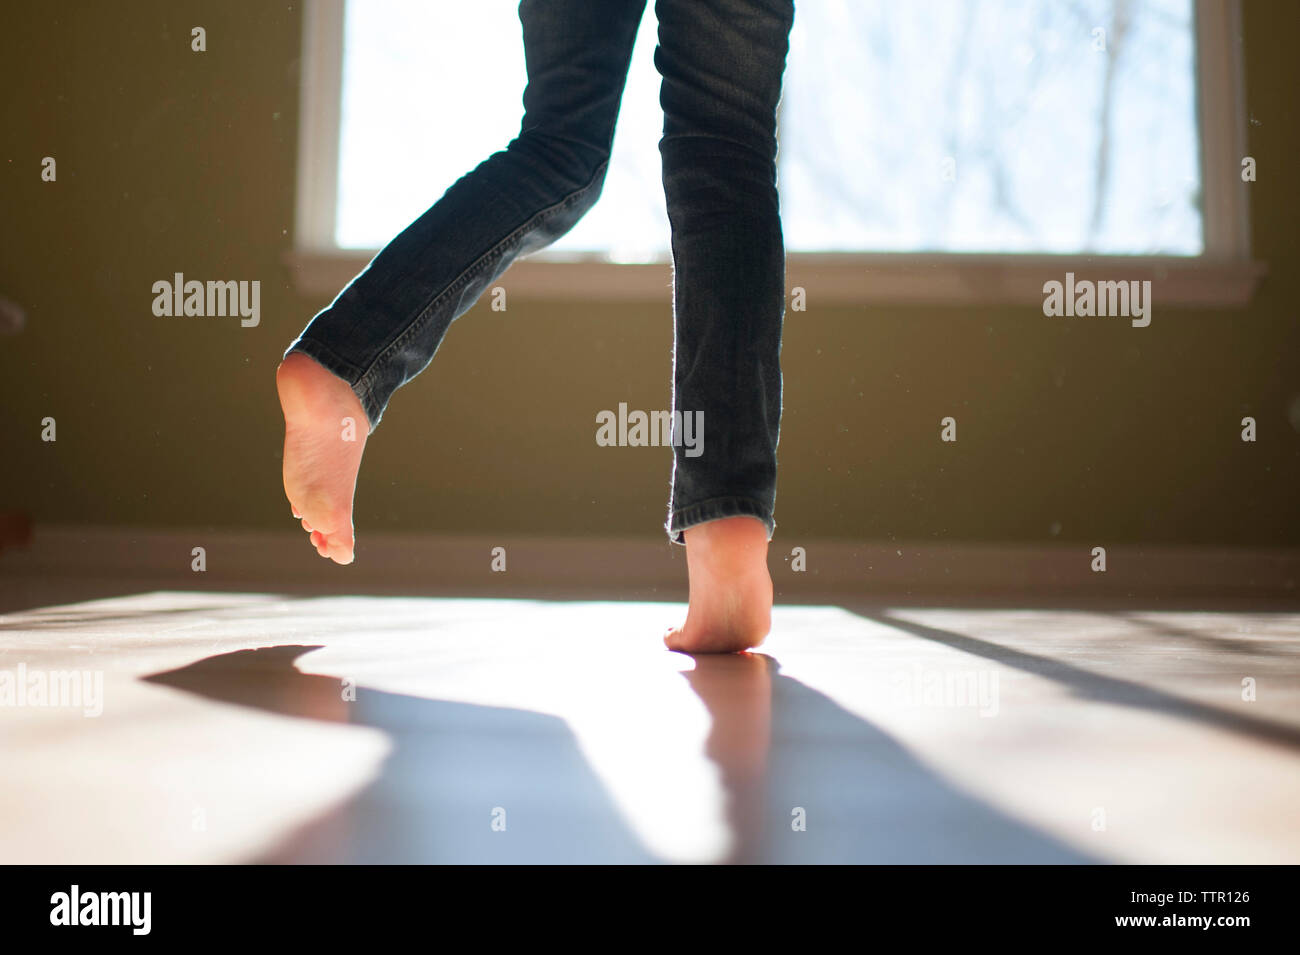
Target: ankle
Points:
(741, 534)
(307, 386)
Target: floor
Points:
(232, 727)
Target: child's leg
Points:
(385, 327)
(722, 62)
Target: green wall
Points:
(174, 161)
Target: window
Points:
(993, 126)
(976, 137)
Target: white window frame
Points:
(1224, 275)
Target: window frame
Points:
(1223, 276)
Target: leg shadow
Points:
(453, 765)
(780, 747)
(783, 750)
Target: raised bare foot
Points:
(731, 591)
(325, 431)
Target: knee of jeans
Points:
(710, 170)
(573, 163)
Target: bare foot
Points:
(325, 431)
(731, 591)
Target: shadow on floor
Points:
(783, 752)
(786, 752)
(72, 619)
(1098, 686)
(452, 768)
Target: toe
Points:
(339, 550)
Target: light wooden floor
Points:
(529, 730)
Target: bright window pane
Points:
(405, 138)
(1012, 93)
(934, 125)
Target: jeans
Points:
(721, 62)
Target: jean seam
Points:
(720, 499)
(758, 505)
(335, 357)
(472, 269)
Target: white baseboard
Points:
(648, 568)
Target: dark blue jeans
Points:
(721, 62)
